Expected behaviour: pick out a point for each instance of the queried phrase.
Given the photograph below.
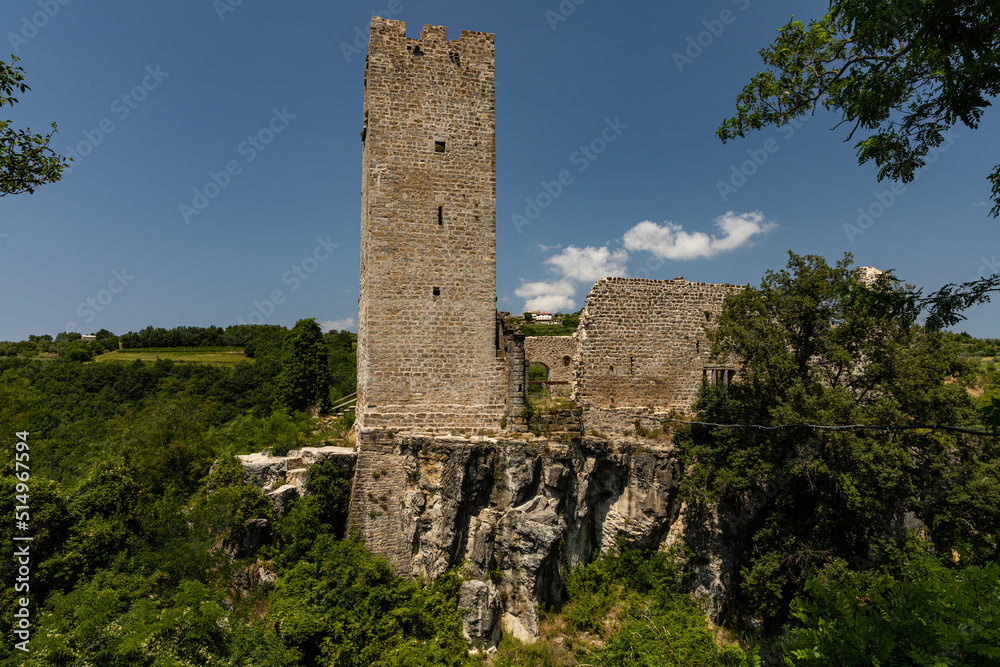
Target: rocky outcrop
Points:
(513, 512)
(284, 478)
(516, 512)
(269, 472)
(248, 579)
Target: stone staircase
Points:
(564, 424)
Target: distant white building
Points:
(539, 316)
(89, 338)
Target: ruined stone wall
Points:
(515, 365)
(558, 353)
(643, 343)
(605, 422)
(429, 355)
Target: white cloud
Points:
(981, 203)
(339, 325)
(667, 241)
(547, 248)
(551, 297)
(589, 264)
(670, 241)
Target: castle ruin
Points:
(433, 352)
(439, 475)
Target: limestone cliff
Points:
(515, 512)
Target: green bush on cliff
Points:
(636, 600)
(341, 605)
(927, 613)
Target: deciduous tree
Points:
(899, 74)
(26, 160)
(304, 380)
(811, 352)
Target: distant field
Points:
(219, 356)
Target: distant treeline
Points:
(257, 340)
(237, 335)
(979, 347)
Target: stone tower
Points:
(430, 350)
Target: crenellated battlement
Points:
(388, 39)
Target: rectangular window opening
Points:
(440, 215)
(439, 147)
(437, 291)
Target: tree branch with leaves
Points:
(901, 72)
(26, 160)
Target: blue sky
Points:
(219, 174)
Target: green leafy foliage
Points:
(342, 354)
(129, 524)
(547, 330)
(237, 335)
(322, 512)
(903, 73)
(926, 614)
(637, 601)
(228, 504)
(572, 320)
(537, 373)
(341, 605)
(279, 432)
(129, 561)
(811, 352)
(304, 380)
(26, 160)
(671, 632)
(124, 620)
(616, 582)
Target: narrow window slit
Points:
(440, 215)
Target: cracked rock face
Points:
(480, 605)
(512, 513)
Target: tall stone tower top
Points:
(429, 351)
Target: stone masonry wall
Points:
(558, 353)
(429, 355)
(604, 422)
(643, 343)
(513, 362)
